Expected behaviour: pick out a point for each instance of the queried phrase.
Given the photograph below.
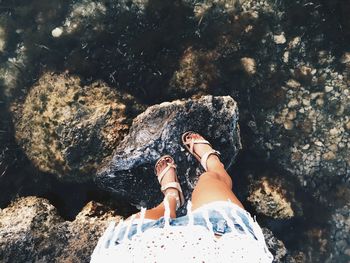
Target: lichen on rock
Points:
(67, 128)
(270, 199)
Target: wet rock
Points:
(345, 58)
(12, 73)
(57, 32)
(276, 246)
(156, 132)
(197, 74)
(269, 198)
(67, 128)
(338, 237)
(84, 232)
(293, 83)
(83, 12)
(279, 39)
(32, 231)
(24, 229)
(303, 73)
(320, 118)
(2, 39)
(249, 65)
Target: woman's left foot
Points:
(165, 170)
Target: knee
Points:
(210, 176)
(217, 177)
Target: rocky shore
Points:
(93, 92)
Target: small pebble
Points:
(292, 115)
(347, 126)
(328, 88)
(286, 57)
(318, 143)
(279, 39)
(57, 32)
(306, 147)
(334, 131)
(293, 84)
(293, 103)
(320, 102)
(294, 42)
(288, 125)
(345, 59)
(328, 156)
(2, 39)
(306, 102)
(333, 147)
(249, 65)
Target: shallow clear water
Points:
(138, 50)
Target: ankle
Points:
(214, 163)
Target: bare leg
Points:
(158, 211)
(213, 185)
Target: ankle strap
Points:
(177, 199)
(205, 157)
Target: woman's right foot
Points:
(199, 147)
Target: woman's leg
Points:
(213, 185)
(158, 211)
(170, 193)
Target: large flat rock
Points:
(157, 131)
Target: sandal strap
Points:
(198, 141)
(177, 199)
(174, 185)
(166, 169)
(206, 156)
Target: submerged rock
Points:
(84, 232)
(24, 229)
(67, 128)
(156, 132)
(82, 13)
(197, 74)
(32, 231)
(276, 246)
(270, 199)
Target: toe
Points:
(163, 163)
(160, 166)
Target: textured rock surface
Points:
(270, 199)
(84, 232)
(197, 73)
(156, 132)
(24, 229)
(340, 226)
(298, 98)
(67, 128)
(276, 246)
(32, 231)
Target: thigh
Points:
(211, 188)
